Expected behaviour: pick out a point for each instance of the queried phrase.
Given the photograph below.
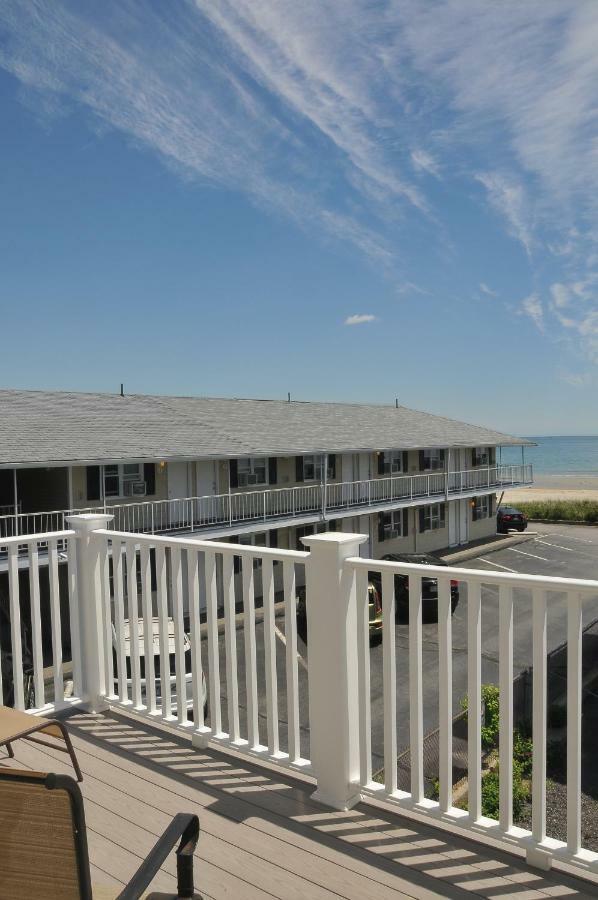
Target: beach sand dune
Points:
(555, 487)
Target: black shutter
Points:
(473, 457)
(93, 483)
(274, 538)
(491, 499)
(474, 511)
(422, 519)
(380, 463)
(405, 522)
(272, 470)
(442, 512)
(492, 455)
(298, 468)
(422, 460)
(233, 476)
(405, 461)
(380, 527)
(442, 457)
(332, 465)
(149, 476)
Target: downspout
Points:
(16, 500)
(324, 483)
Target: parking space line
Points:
(523, 553)
(559, 546)
(568, 537)
(498, 565)
(283, 639)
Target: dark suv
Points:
(429, 586)
(508, 517)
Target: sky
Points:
(344, 200)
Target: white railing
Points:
(191, 514)
(40, 664)
(179, 602)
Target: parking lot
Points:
(563, 551)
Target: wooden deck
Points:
(262, 836)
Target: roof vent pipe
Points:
(289, 397)
(396, 402)
(122, 389)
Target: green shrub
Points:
(491, 793)
(561, 510)
(490, 697)
(522, 753)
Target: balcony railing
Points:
(227, 510)
(131, 598)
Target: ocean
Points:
(574, 455)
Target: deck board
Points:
(262, 835)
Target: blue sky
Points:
(350, 200)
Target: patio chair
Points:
(15, 725)
(43, 844)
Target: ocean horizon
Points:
(563, 455)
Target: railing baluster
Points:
(162, 597)
(540, 711)
(290, 627)
(213, 644)
(107, 620)
(70, 546)
(119, 620)
(445, 695)
(148, 629)
(232, 688)
(253, 735)
(36, 627)
(179, 635)
(474, 695)
(574, 712)
(505, 739)
(56, 623)
(15, 625)
(195, 629)
(416, 735)
(363, 674)
(270, 656)
(389, 681)
(133, 615)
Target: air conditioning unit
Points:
(135, 488)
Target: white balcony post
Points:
(89, 602)
(333, 665)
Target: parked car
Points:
(374, 606)
(429, 586)
(156, 664)
(507, 518)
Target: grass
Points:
(561, 510)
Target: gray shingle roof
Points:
(49, 427)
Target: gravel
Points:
(556, 816)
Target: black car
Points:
(507, 518)
(429, 586)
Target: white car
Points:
(156, 655)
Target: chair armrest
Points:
(184, 826)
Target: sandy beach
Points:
(555, 487)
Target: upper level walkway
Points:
(263, 835)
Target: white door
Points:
(453, 523)
(206, 477)
(178, 480)
(463, 521)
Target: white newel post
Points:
(89, 602)
(333, 689)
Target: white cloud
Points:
(509, 200)
(487, 290)
(423, 161)
(532, 307)
(359, 319)
(575, 379)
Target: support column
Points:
(88, 597)
(333, 690)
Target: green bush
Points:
(561, 510)
(490, 697)
(522, 753)
(491, 793)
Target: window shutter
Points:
(380, 463)
(491, 499)
(405, 522)
(473, 457)
(422, 460)
(332, 465)
(442, 454)
(474, 511)
(422, 519)
(233, 476)
(492, 456)
(149, 476)
(272, 470)
(298, 468)
(442, 516)
(93, 483)
(380, 527)
(405, 461)
(274, 538)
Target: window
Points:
(118, 479)
(392, 462)
(392, 524)
(313, 467)
(251, 470)
(431, 518)
(480, 508)
(431, 459)
(481, 456)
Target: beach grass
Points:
(561, 510)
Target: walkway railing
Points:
(191, 514)
(133, 609)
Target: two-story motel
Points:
(261, 471)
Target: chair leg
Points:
(10, 751)
(71, 752)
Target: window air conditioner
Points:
(134, 488)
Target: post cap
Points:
(334, 537)
(86, 522)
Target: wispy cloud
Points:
(487, 290)
(532, 306)
(423, 161)
(360, 319)
(509, 200)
